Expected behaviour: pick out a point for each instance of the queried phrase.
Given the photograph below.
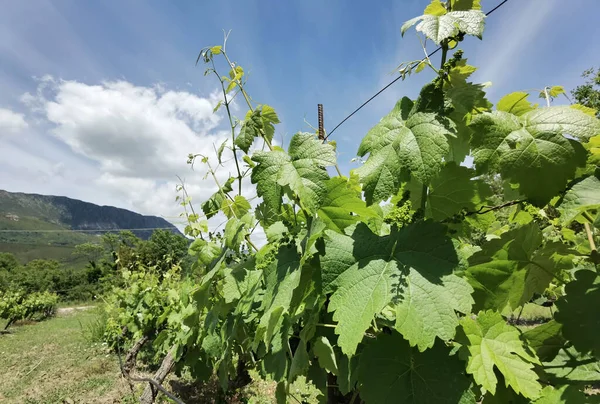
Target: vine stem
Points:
(226, 101)
(547, 96)
(326, 325)
(246, 97)
(250, 243)
(590, 236)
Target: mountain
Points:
(55, 217)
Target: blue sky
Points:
(101, 100)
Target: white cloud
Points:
(134, 142)
(129, 130)
(11, 122)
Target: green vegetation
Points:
(588, 94)
(414, 279)
(41, 227)
(17, 305)
(59, 359)
(98, 269)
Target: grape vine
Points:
(17, 305)
(398, 283)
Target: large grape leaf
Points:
(491, 343)
(510, 269)
(572, 367)
(238, 281)
(363, 272)
(465, 96)
(237, 207)
(302, 171)
(545, 339)
(577, 314)
(342, 205)
(390, 371)
(282, 277)
(453, 190)
(440, 27)
(415, 144)
(583, 196)
(564, 395)
(531, 150)
(428, 310)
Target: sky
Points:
(102, 101)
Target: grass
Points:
(52, 361)
(60, 360)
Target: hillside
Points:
(41, 224)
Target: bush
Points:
(18, 305)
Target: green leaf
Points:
(563, 395)
(582, 197)
(325, 354)
(300, 362)
(572, 367)
(250, 130)
(441, 27)
(491, 343)
(238, 281)
(275, 231)
(586, 110)
(427, 310)
(531, 150)
(509, 270)
(545, 339)
(269, 119)
(417, 145)
(453, 190)
(216, 108)
(562, 120)
(435, 8)
(465, 5)
(555, 91)
(206, 251)
(258, 123)
(348, 371)
(581, 324)
(390, 371)
(467, 98)
(236, 230)
(342, 205)
(212, 206)
(282, 277)
(516, 103)
(302, 171)
(236, 208)
(216, 50)
(363, 272)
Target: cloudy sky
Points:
(101, 101)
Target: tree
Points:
(8, 262)
(588, 94)
(163, 249)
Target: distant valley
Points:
(40, 226)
